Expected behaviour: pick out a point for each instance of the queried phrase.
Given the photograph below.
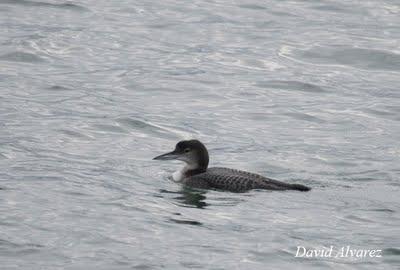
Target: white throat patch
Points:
(179, 175)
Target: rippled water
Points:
(301, 91)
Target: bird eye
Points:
(186, 150)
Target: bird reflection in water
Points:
(188, 197)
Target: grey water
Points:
(299, 91)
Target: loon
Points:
(196, 173)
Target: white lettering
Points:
(298, 250)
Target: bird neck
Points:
(187, 171)
(192, 172)
(193, 169)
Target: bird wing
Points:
(236, 180)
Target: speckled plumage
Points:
(236, 181)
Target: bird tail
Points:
(299, 187)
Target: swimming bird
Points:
(196, 173)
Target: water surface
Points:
(301, 91)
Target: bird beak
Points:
(168, 156)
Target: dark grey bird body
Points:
(196, 173)
(237, 181)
